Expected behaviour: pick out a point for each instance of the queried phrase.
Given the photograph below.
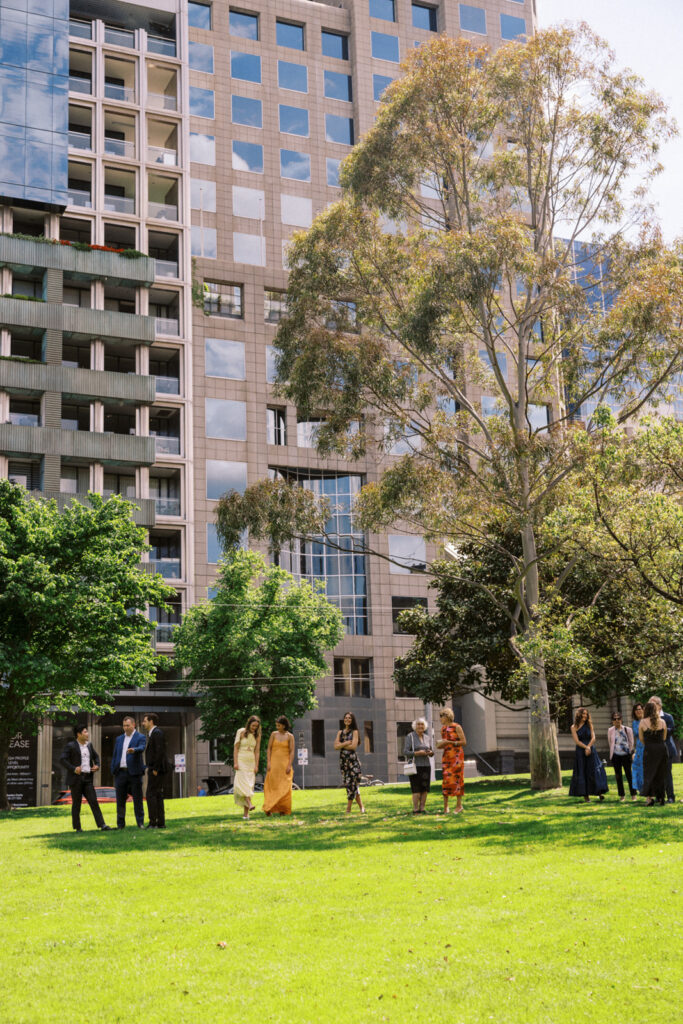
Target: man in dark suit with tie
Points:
(127, 767)
(81, 761)
(155, 757)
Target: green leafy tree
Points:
(451, 268)
(73, 628)
(257, 648)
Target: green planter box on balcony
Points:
(26, 254)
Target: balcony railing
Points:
(164, 632)
(119, 147)
(167, 445)
(163, 211)
(24, 419)
(167, 385)
(167, 325)
(161, 101)
(169, 568)
(70, 425)
(156, 44)
(82, 29)
(80, 140)
(83, 85)
(160, 155)
(78, 197)
(119, 92)
(166, 268)
(119, 204)
(119, 37)
(167, 506)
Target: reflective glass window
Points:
(339, 129)
(424, 17)
(271, 364)
(511, 27)
(204, 242)
(243, 25)
(199, 15)
(203, 195)
(203, 149)
(222, 477)
(333, 172)
(296, 210)
(225, 300)
(289, 35)
(293, 120)
(538, 416)
(383, 9)
(335, 45)
(214, 551)
(201, 57)
(385, 47)
(248, 202)
(472, 19)
(295, 165)
(379, 84)
(201, 102)
(245, 66)
(226, 419)
(337, 86)
(246, 110)
(409, 552)
(249, 249)
(247, 156)
(224, 358)
(292, 76)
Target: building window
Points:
(379, 84)
(204, 242)
(538, 416)
(274, 305)
(401, 604)
(247, 156)
(287, 34)
(402, 693)
(222, 477)
(202, 102)
(294, 120)
(318, 737)
(295, 165)
(271, 364)
(226, 419)
(368, 738)
(338, 86)
(501, 359)
(245, 110)
(352, 677)
(307, 433)
(249, 203)
(203, 149)
(201, 57)
(385, 47)
(383, 9)
(472, 19)
(335, 45)
(339, 129)
(490, 406)
(276, 426)
(243, 25)
(249, 249)
(292, 76)
(224, 358)
(512, 28)
(296, 210)
(245, 66)
(402, 730)
(223, 299)
(333, 166)
(424, 17)
(199, 15)
(408, 552)
(215, 750)
(203, 195)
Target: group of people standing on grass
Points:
(643, 752)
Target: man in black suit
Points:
(81, 761)
(155, 759)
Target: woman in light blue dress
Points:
(637, 764)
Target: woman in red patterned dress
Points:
(452, 743)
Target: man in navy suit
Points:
(671, 750)
(127, 767)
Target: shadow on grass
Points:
(501, 815)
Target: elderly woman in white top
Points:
(417, 749)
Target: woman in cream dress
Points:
(245, 760)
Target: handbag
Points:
(409, 767)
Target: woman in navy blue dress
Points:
(589, 778)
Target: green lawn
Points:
(530, 909)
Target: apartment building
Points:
(150, 180)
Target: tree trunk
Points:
(544, 755)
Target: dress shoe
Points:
(151, 826)
(105, 828)
(78, 830)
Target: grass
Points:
(526, 908)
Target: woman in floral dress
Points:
(346, 743)
(452, 743)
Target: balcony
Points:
(157, 44)
(119, 204)
(161, 101)
(86, 384)
(160, 155)
(120, 93)
(80, 444)
(167, 385)
(98, 323)
(166, 268)
(169, 568)
(79, 197)
(163, 632)
(167, 445)
(82, 85)
(20, 253)
(119, 37)
(167, 506)
(25, 419)
(166, 325)
(80, 29)
(162, 211)
(80, 140)
(143, 515)
(119, 147)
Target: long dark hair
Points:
(578, 716)
(282, 720)
(651, 711)
(253, 718)
(354, 723)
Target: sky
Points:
(646, 36)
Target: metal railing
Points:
(80, 140)
(119, 147)
(77, 197)
(161, 155)
(167, 445)
(167, 385)
(167, 506)
(161, 101)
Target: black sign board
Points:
(22, 771)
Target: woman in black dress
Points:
(652, 730)
(589, 778)
(346, 743)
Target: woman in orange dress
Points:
(452, 743)
(277, 789)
